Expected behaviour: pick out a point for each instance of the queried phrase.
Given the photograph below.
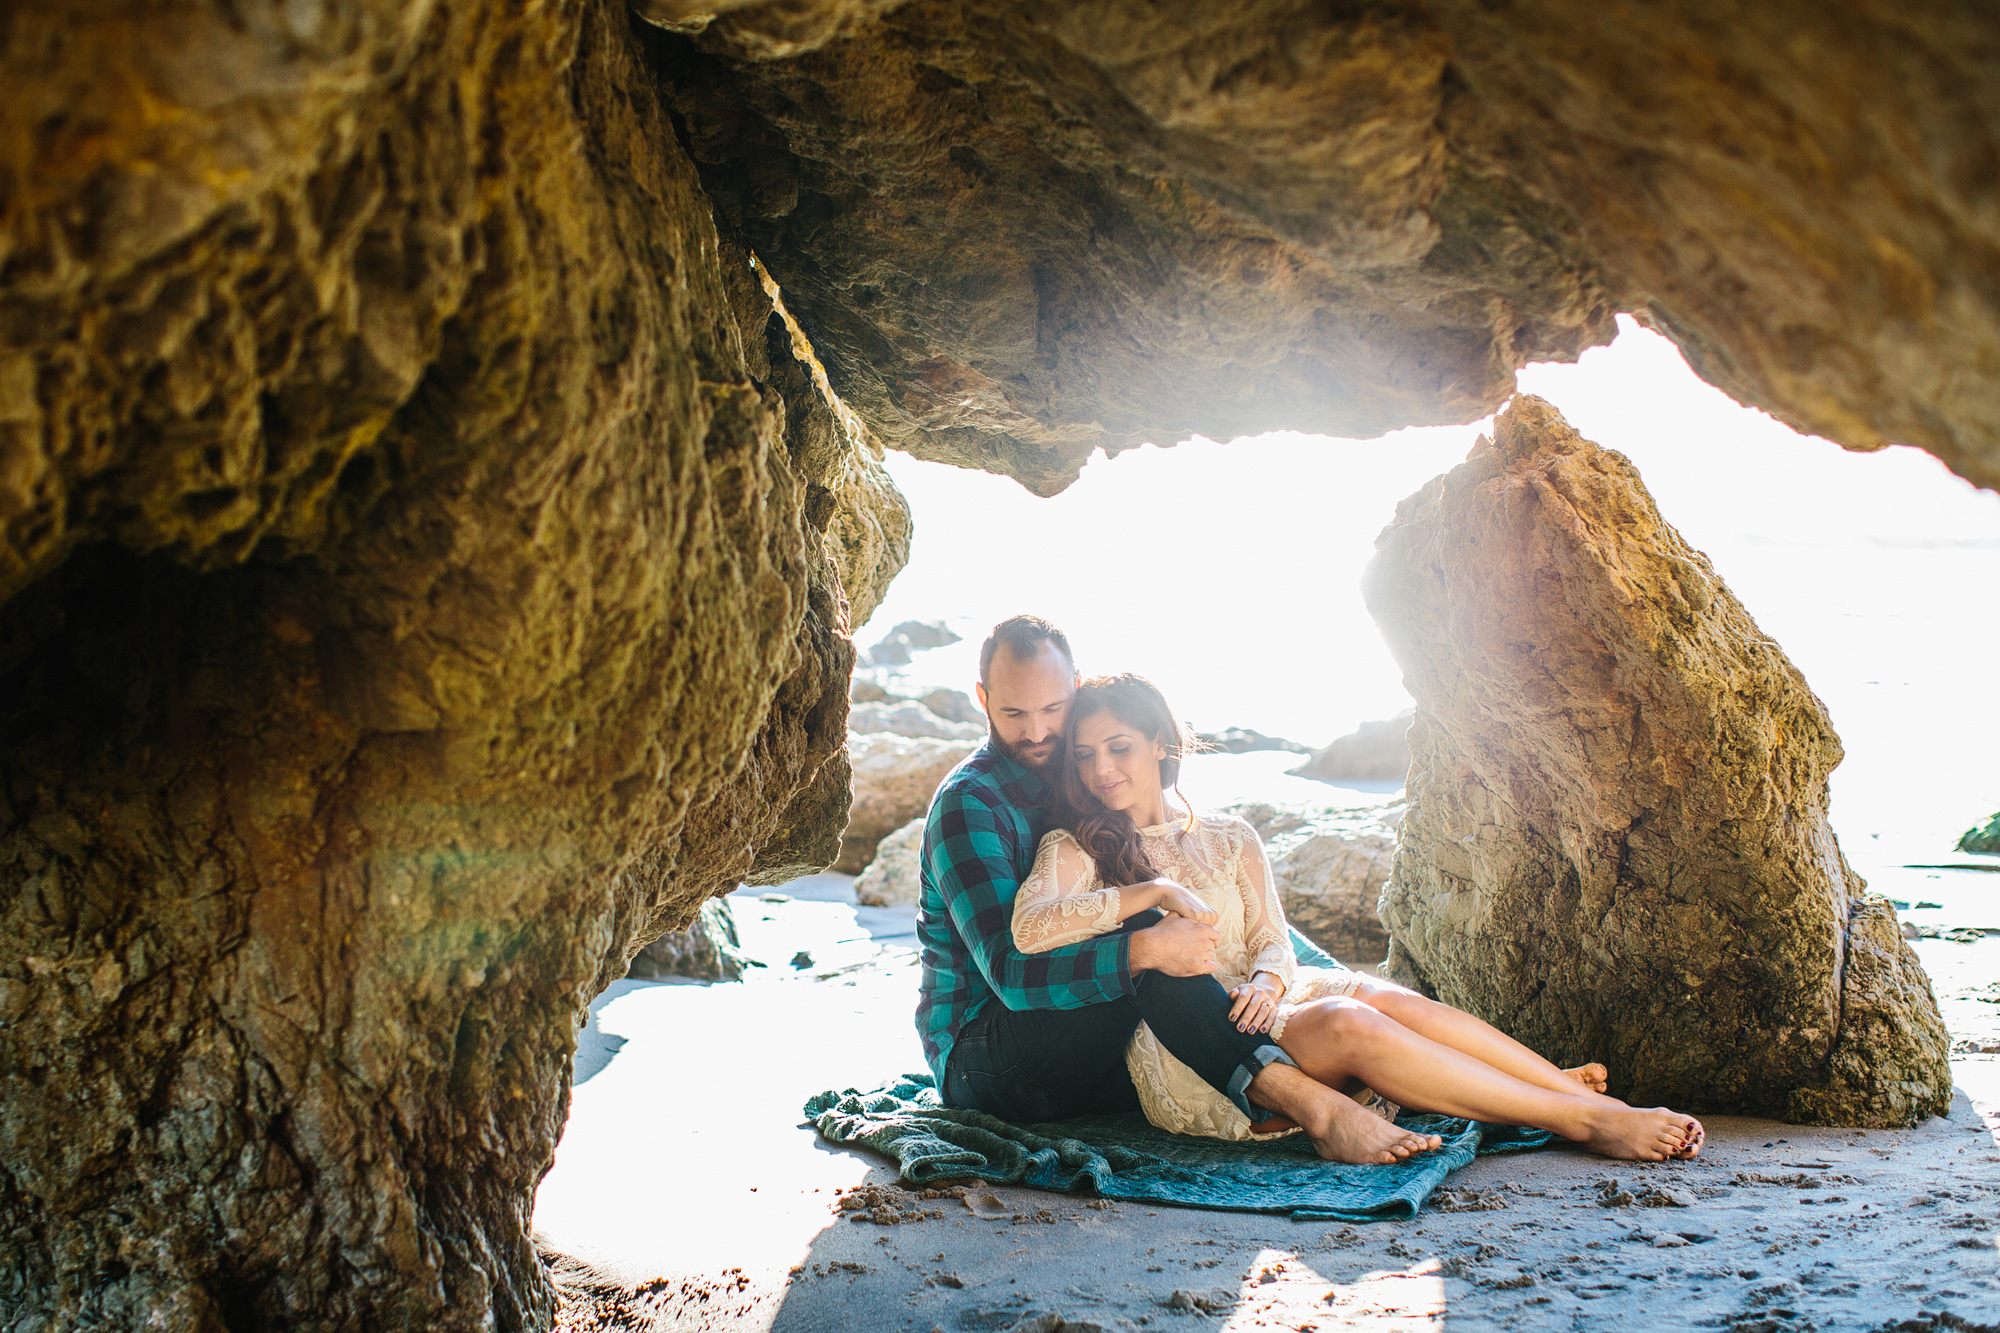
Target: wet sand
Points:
(688, 1195)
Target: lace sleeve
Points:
(1266, 938)
(1057, 904)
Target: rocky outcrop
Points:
(1617, 846)
(1330, 865)
(421, 582)
(893, 877)
(894, 780)
(955, 705)
(708, 950)
(908, 719)
(428, 544)
(1983, 841)
(1372, 752)
(1021, 231)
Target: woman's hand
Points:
(1183, 901)
(1256, 1003)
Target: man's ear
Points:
(979, 688)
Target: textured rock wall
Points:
(426, 572)
(1617, 846)
(1018, 229)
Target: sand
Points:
(688, 1195)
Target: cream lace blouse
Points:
(1220, 858)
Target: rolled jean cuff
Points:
(1246, 1073)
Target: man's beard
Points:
(1022, 753)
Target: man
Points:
(1037, 1037)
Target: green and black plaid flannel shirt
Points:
(979, 844)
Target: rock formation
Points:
(708, 950)
(893, 878)
(1984, 840)
(894, 778)
(1617, 845)
(429, 543)
(1021, 229)
(1372, 752)
(427, 563)
(955, 705)
(909, 719)
(1330, 865)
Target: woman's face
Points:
(1118, 762)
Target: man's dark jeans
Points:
(1033, 1065)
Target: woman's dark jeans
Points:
(1032, 1065)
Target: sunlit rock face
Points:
(1617, 844)
(427, 571)
(1019, 229)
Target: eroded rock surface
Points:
(427, 565)
(1984, 840)
(1330, 866)
(1617, 846)
(1018, 231)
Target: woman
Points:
(1124, 846)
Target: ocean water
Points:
(1230, 575)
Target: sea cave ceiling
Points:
(430, 539)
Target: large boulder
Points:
(1617, 845)
(422, 582)
(708, 950)
(1330, 865)
(894, 778)
(908, 718)
(1372, 752)
(892, 879)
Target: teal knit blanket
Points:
(1124, 1157)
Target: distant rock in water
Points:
(955, 705)
(708, 950)
(1617, 844)
(891, 879)
(925, 634)
(1372, 752)
(892, 651)
(1330, 866)
(1242, 740)
(1984, 841)
(909, 638)
(894, 778)
(909, 718)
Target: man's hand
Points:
(1178, 946)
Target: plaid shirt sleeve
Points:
(973, 866)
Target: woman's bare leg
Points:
(1338, 1040)
(1479, 1039)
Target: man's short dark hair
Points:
(1022, 637)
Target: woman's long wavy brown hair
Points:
(1109, 836)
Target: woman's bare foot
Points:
(1691, 1140)
(1593, 1076)
(1634, 1134)
(1361, 1138)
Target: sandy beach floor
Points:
(687, 1194)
